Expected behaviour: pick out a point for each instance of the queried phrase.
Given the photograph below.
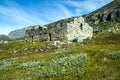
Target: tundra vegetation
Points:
(95, 59)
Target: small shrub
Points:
(63, 51)
(5, 64)
(114, 55)
(3, 51)
(69, 65)
(32, 64)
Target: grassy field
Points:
(96, 59)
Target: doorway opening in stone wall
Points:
(50, 37)
(32, 38)
(81, 26)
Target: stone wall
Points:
(78, 28)
(66, 29)
(36, 34)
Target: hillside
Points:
(96, 59)
(108, 13)
(20, 33)
(4, 37)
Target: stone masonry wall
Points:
(67, 29)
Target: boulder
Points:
(2, 41)
(56, 43)
(6, 42)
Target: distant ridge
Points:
(4, 37)
(19, 33)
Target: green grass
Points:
(100, 61)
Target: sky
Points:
(16, 14)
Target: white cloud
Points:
(17, 16)
(64, 10)
(20, 15)
(86, 5)
(14, 17)
(57, 13)
(78, 11)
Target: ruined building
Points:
(66, 29)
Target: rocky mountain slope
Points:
(108, 13)
(16, 34)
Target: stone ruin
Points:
(64, 30)
(36, 34)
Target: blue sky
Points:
(16, 14)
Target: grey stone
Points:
(68, 29)
(41, 50)
(108, 13)
(36, 50)
(26, 49)
(78, 40)
(56, 43)
(6, 42)
(66, 42)
(89, 38)
(15, 51)
(82, 45)
(2, 41)
(36, 34)
(104, 59)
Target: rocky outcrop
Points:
(108, 13)
(67, 29)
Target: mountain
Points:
(108, 13)
(20, 33)
(4, 37)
